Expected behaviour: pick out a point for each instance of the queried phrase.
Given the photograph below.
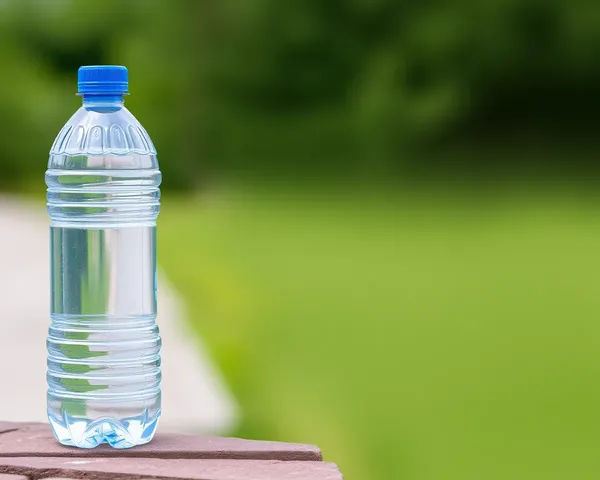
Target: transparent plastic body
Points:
(103, 342)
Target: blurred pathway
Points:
(195, 398)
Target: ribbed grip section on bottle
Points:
(103, 198)
(104, 358)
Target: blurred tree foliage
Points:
(305, 87)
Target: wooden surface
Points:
(29, 451)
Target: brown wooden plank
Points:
(36, 440)
(8, 426)
(11, 426)
(123, 468)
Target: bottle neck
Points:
(102, 102)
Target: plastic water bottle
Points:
(103, 200)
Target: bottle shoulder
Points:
(94, 132)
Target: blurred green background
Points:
(382, 214)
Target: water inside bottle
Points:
(103, 342)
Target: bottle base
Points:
(118, 433)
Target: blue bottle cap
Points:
(110, 79)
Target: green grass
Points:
(410, 337)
